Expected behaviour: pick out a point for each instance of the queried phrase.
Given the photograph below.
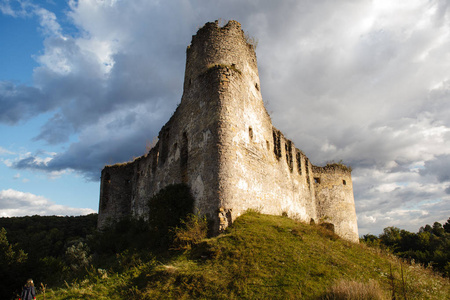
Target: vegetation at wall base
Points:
(259, 257)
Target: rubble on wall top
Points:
(331, 167)
(210, 26)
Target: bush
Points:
(78, 257)
(192, 230)
(167, 208)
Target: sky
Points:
(88, 83)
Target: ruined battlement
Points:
(214, 45)
(221, 143)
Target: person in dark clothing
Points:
(28, 291)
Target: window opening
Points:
(299, 162)
(276, 143)
(288, 148)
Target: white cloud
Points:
(48, 22)
(15, 204)
(4, 151)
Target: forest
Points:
(430, 246)
(48, 248)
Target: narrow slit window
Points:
(276, 144)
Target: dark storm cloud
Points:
(116, 138)
(19, 102)
(438, 167)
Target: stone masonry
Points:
(220, 141)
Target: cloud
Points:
(362, 81)
(410, 219)
(15, 204)
(19, 102)
(115, 138)
(4, 151)
(15, 8)
(439, 167)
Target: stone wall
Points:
(259, 167)
(221, 142)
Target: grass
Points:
(354, 290)
(264, 257)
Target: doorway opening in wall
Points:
(344, 182)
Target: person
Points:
(28, 291)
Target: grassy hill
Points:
(261, 257)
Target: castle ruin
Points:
(220, 141)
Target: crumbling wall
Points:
(257, 166)
(115, 193)
(187, 152)
(221, 142)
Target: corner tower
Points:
(334, 199)
(221, 61)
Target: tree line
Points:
(430, 246)
(42, 248)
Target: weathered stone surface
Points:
(221, 142)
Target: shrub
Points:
(169, 206)
(77, 257)
(192, 230)
(166, 210)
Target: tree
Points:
(427, 228)
(447, 226)
(438, 230)
(9, 254)
(391, 237)
(11, 262)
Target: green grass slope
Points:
(263, 257)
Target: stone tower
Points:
(221, 142)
